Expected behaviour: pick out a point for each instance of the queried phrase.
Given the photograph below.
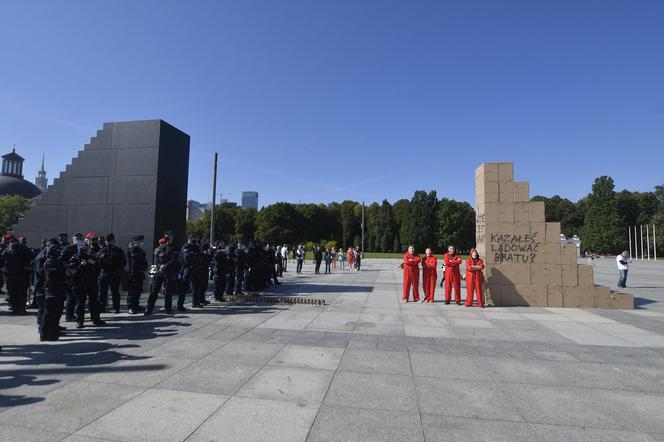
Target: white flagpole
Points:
(629, 231)
(641, 226)
(648, 239)
(636, 245)
(654, 241)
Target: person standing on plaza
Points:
(429, 275)
(112, 261)
(452, 275)
(411, 274)
(328, 261)
(358, 259)
(342, 259)
(474, 278)
(351, 259)
(622, 261)
(318, 258)
(333, 252)
(137, 265)
(299, 256)
(284, 257)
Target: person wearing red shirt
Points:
(351, 259)
(452, 275)
(411, 274)
(429, 275)
(474, 278)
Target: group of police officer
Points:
(65, 276)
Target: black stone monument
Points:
(131, 179)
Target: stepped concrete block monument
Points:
(130, 179)
(526, 263)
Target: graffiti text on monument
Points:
(514, 248)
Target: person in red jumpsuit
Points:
(452, 275)
(474, 278)
(429, 275)
(411, 274)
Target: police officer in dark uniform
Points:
(112, 261)
(82, 269)
(187, 274)
(220, 271)
(53, 275)
(202, 275)
(240, 267)
(68, 250)
(137, 265)
(167, 260)
(17, 265)
(38, 278)
(232, 267)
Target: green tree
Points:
(564, 211)
(456, 225)
(245, 224)
(350, 223)
(12, 207)
(658, 221)
(419, 228)
(603, 229)
(278, 223)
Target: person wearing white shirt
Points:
(284, 257)
(622, 261)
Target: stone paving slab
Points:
(363, 367)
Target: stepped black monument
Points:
(131, 179)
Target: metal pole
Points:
(654, 241)
(362, 228)
(641, 226)
(214, 199)
(648, 239)
(629, 231)
(636, 245)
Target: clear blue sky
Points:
(320, 101)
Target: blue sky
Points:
(319, 101)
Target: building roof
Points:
(15, 186)
(13, 156)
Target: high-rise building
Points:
(41, 181)
(250, 200)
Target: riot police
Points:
(137, 265)
(17, 267)
(240, 261)
(187, 274)
(69, 250)
(111, 262)
(201, 275)
(221, 271)
(167, 260)
(82, 270)
(53, 276)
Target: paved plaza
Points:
(363, 367)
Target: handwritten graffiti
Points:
(516, 249)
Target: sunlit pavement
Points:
(363, 367)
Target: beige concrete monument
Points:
(526, 263)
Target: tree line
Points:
(601, 220)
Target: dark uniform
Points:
(137, 265)
(318, 258)
(187, 274)
(232, 267)
(17, 267)
(82, 269)
(220, 272)
(68, 251)
(201, 276)
(53, 275)
(166, 258)
(240, 267)
(38, 281)
(112, 261)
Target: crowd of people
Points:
(451, 276)
(66, 276)
(350, 260)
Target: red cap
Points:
(90, 235)
(21, 238)
(7, 237)
(162, 241)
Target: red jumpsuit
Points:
(474, 280)
(452, 276)
(411, 275)
(429, 277)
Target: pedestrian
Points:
(82, 269)
(358, 259)
(299, 255)
(474, 278)
(318, 259)
(17, 267)
(452, 275)
(53, 275)
(328, 261)
(411, 274)
(284, 257)
(137, 265)
(187, 273)
(112, 261)
(622, 262)
(342, 260)
(68, 250)
(166, 258)
(429, 275)
(350, 254)
(333, 252)
(220, 271)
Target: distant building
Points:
(195, 210)
(11, 179)
(41, 181)
(250, 200)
